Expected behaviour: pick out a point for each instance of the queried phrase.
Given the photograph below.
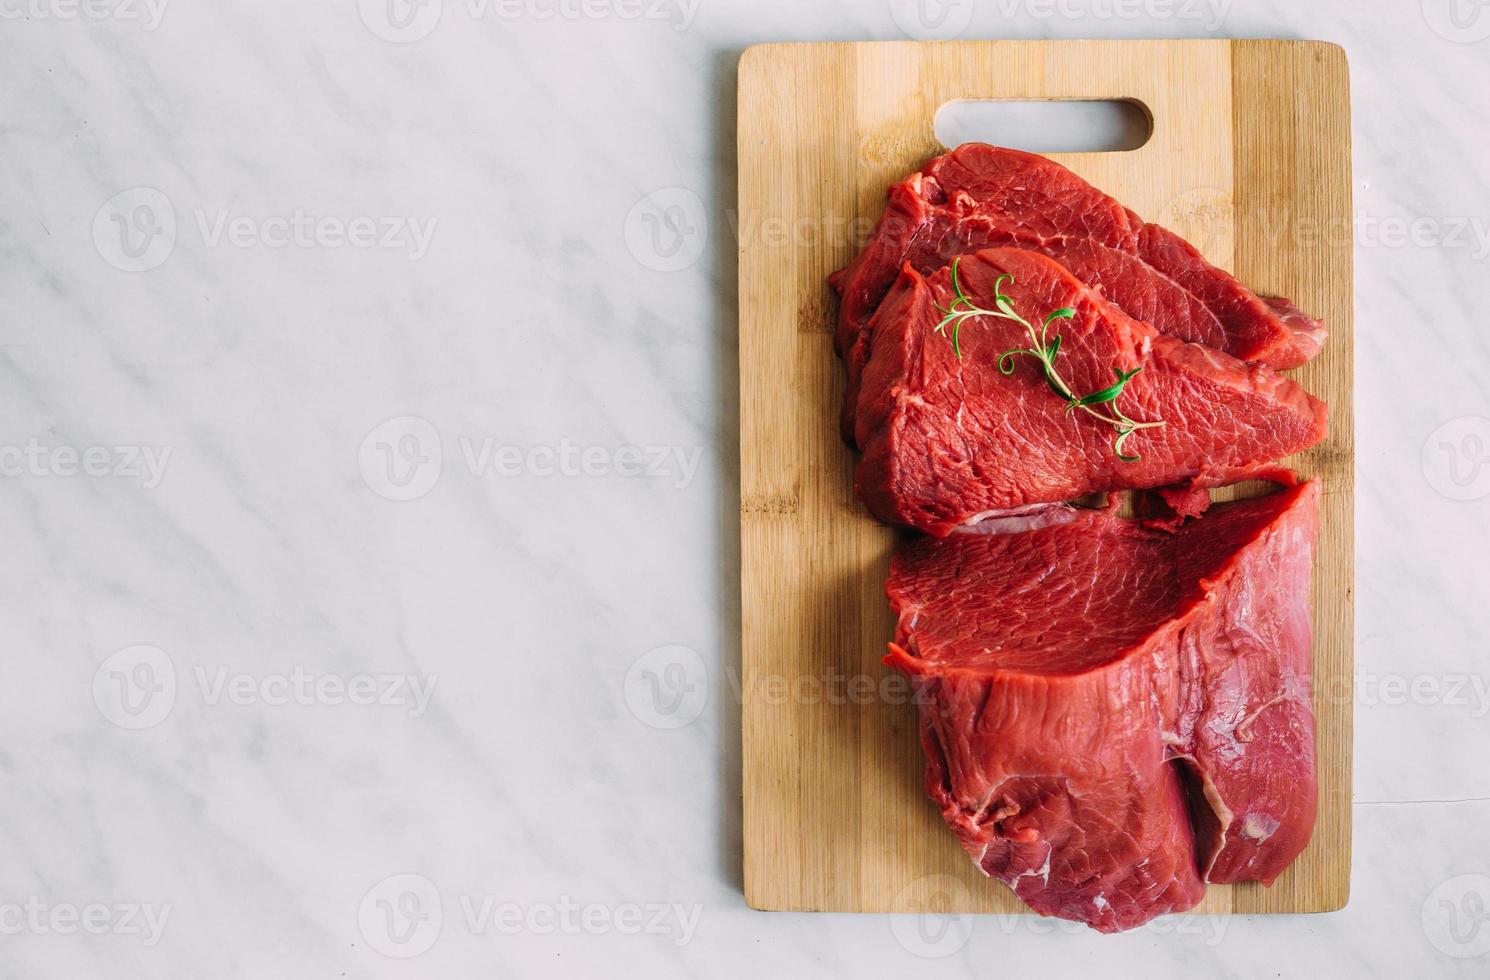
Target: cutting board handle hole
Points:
(1046, 125)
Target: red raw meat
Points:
(979, 196)
(1113, 716)
(948, 442)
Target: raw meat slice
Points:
(947, 442)
(1113, 715)
(979, 196)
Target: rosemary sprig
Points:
(1043, 350)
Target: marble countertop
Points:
(367, 428)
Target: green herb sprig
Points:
(1044, 351)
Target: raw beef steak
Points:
(949, 441)
(1113, 716)
(979, 196)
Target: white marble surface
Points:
(436, 227)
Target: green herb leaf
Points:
(1110, 394)
(962, 308)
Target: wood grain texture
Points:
(1249, 159)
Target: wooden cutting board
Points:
(1249, 158)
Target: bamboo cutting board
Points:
(1249, 158)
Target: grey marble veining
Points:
(368, 448)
